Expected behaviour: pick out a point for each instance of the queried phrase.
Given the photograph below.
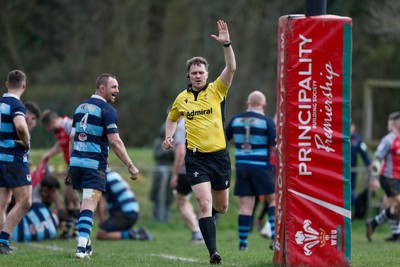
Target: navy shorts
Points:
(254, 180)
(391, 186)
(119, 222)
(209, 167)
(14, 174)
(88, 178)
(183, 186)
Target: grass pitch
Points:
(172, 245)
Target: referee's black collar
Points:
(190, 88)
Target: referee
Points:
(207, 158)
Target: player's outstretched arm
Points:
(230, 61)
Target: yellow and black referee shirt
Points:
(204, 113)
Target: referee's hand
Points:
(168, 143)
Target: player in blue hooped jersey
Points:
(94, 130)
(254, 135)
(15, 176)
(123, 210)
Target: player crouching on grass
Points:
(123, 210)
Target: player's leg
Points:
(72, 205)
(271, 216)
(246, 204)
(202, 192)
(186, 209)
(392, 189)
(90, 199)
(244, 190)
(5, 199)
(23, 201)
(119, 226)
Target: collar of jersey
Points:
(99, 97)
(190, 88)
(10, 95)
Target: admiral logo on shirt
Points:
(190, 114)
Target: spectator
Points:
(358, 147)
(180, 182)
(160, 193)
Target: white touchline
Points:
(54, 248)
(172, 257)
(334, 208)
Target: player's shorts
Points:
(254, 180)
(212, 167)
(14, 174)
(391, 186)
(87, 178)
(183, 186)
(119, 222)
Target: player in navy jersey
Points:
(254, 135)
(123, 210)
(40, 223)
(15, 176)
(94, 129)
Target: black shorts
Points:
(212, 167)
(254, 180)
(183, 186)
(14, 174)
(391, 186)
(119, 222)
(85, 178)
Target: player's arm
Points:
(230, 61)
(52, 152)
(180, 151)
(170, 128)
(71, 147)
(119, 149)
(22, 130)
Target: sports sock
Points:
(85, 224)
(381, 217)
(207, 228)
(395, 226)
(5, 238)
(271, 220)
(244, 222)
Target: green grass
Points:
(172, 246)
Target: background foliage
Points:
(64, 44)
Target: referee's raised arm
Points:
(230, 61)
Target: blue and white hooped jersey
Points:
(10, 107)
(253, 134)
(37, 225)
(93, 119)
(119, 195)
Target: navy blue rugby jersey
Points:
(93, 119)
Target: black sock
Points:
(214, 211)
(207, 228)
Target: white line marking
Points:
(53, 248)
(329, 206)
(172, 257)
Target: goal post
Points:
(368, 106)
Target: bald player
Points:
(254, 135)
